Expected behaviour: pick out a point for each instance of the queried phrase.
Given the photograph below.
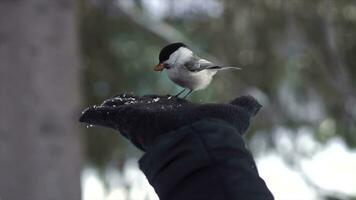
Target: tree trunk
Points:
(40, 152)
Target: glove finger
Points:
(101, 116)
(235, 115)
(248, 103)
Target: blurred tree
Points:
(40, 151)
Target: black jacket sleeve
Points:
(204, 161)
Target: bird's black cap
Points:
(168, 50)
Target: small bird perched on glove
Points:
(186, 69)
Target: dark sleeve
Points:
(204, 161)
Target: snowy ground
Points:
(331, 168)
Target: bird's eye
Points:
(167, 66)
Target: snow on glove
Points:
(141, 119)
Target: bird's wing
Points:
(196, 64)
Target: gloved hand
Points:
(141, 119)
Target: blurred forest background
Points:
(298, 59)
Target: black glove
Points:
(142, 119)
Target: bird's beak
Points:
(159, 67)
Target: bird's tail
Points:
(224, 67)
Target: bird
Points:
(187, 69)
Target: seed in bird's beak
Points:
(159, 67)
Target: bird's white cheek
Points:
(181, 56)
(172, 59)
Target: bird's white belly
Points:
(191, 80)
